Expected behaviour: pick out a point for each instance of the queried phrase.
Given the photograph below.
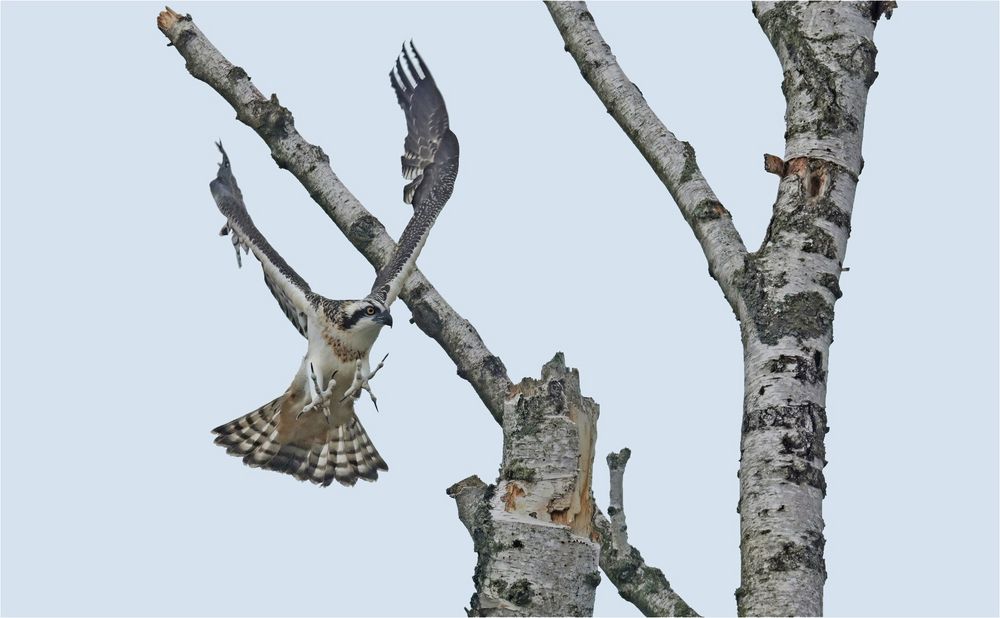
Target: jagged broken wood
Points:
(532, 529)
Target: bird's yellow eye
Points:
(370, 311)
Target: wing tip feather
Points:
(418, 60)
(410, 69)
(225, 157)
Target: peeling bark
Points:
(532, 530)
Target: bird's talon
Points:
(361, 382)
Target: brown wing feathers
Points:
(288, 288)
(429, 161)
(423, 105)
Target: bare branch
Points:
(672, 160)
(639, 584)
(616, 504)
(310, 165)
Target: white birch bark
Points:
(532, 529)
(783, 294)
(672, 160)
(789, 287)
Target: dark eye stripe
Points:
(353, 319)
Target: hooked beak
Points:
(384, 318)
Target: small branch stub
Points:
(644, 586)
(468, 493)
(167, 18)
(774, 165)
(881, 7)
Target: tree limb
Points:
(672, 160)
(641, 585)
(310, 165)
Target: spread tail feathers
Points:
(317, 452)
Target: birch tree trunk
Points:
(532, 530)
(789, 287)
(784, 293)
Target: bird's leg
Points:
(361, 379)
(317, 391)
(320, 397)
(352, 390)
(238, 243)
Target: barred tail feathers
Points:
(242, 436)
(313, 450)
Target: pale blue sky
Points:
(128, 332)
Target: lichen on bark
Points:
(533, 532)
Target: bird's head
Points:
(364, 318)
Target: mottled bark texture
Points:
(532, 529)
(644, 586)
(784, 293)
(310, 165)
(789, 287)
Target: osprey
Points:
(311, 431)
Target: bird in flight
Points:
(311, 430)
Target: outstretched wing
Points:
(290, 290)
(430, 162)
